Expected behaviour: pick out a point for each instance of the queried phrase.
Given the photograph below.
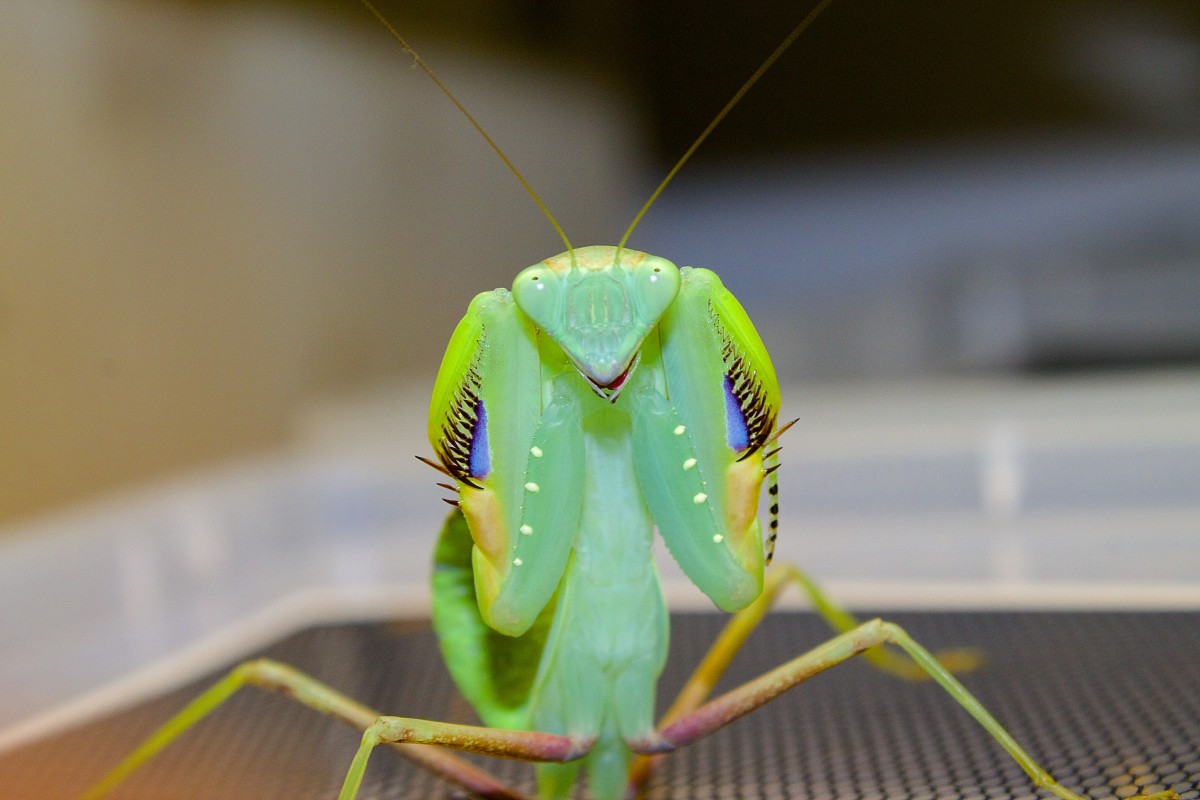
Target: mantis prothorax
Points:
(607, 395)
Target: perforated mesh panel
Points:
(1109, 703)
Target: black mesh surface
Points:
(1108, 702)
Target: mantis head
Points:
(598, 304)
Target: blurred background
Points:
(236, 236)
(215, 211)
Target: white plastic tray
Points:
(1040, 493)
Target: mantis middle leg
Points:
(709, 717)
(727, 644)
(405, 734)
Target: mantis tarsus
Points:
(609, 394)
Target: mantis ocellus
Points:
(608, 395)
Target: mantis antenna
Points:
(733, 101)
(428, 70)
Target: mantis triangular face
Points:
(598, 304)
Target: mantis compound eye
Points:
(538, 293)
(656, 283)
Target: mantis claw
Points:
(652, 743)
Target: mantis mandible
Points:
(607, 395)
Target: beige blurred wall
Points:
(208, 217)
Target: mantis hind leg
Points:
(957, 660)
(404, 734)
(714, 714)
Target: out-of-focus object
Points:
(1051, 493)
(211, 212)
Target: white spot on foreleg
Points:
(526, 530)
(691, 462)
(535, 451)
(718, 538)
(679, 429)
(699, 498)
(532, 487)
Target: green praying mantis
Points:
(609, 394)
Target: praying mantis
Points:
(607, 395)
